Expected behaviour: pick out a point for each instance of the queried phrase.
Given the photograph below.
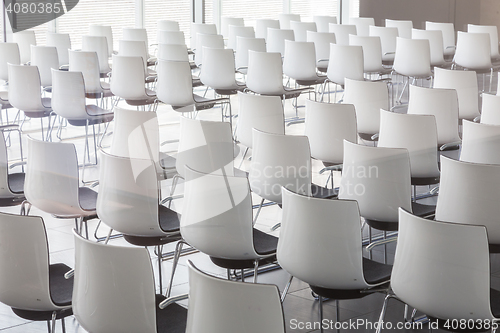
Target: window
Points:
(174, 10)
(308, 8)
(252, 9)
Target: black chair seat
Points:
(87, 198)
(367, 137)
(171, 319)
(41, 315)
(417, 209)
(422, 210)
(169, 222)
(16, 182)
(382, 225)
(318, 80)
(233, 90)
(61, 289)
(169, 219)
(494, 248)
(421, 181)
(323, 192)
(376, 272)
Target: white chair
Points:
(9, 54)
(276, 39)
(261, 26)
(463, 257)
(167, 25)
(322, 41)
(473, 51)
(171, 37)
(465, 83)
(137, 48)
(206, 40)
(388, 37)
(99, 45)
(490, 109)
(362, 24)
(448, 31)
(299, 64)
(435, 38)
(243, 45)
(346, 62)
(63, 43)
(404, 27)
(138, 34)
(11, 184)
(323, 21)
(114, 291)
(87, 63)
(286, 18)
(237, 31)
(492, 30)
(24, 40)
(45, 58)
(213, 300)
(342, 32)
(201, 28)
(227, 21)
(372, 54)
(177, 52)
(480, 143)
(103, 31)
(300, 29)
(29, 284)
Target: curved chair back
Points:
(133, 48)
(135, 34)
(490, 109)
(448, 31)
(51, 183)
(322, 41)
(342, 32)
(378, 179)
(473, 50)
(173, 52)
(127, 79)
(201, 28)
(25, 88)
(175, 83)
(226, 21)
(334, 225)
(300, 60)
(413, 57)
(442, 104)
(300, 29)
(323, 21)
(264, 113)
(491, 30)
(24, 40)
(261, 26)
(213, 300)
(362, 24)
(265, 73)
(435, 38)
(372, 52)
(218, 71)
(99, 45)
(286, 18)
(238, 31)
(388, 37)
(9, 54)
(465, 83)
(467, 194)
(62, 42)
(103, 31)
(480, 143)
(206, 40)
(404, 27)
(167, 25)
(87, 63)
(68, 95)
(171, 37)
(217, 215)
(463, 258)
(24, 263)
(45, 58)
(128, 195)
(5, 191)
(345, 62)
(243, 45)
(416, 133)
(276, 39)
(327, 126)
(114, 288)
(368, 98)
(280, 161)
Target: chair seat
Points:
(169, 219)
(61, 289)
(239, 86)
(16, 182)
(421, 181)
(167, 161)
(263, 243)
(417, 209)
(422, 210)
(171, 319)
(87, 198)
(292, 93)
(367, 136)
(45, 112)
(148, 98)
(323, 192)
(320, 79)
(96, 115)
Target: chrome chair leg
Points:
(177, 254)
(285, 290)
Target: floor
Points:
(300, 308)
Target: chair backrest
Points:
(362, 24)
(264, 113)
(175, 83)
(372, 52)
(280, 161)
(63, 43)
(24, 40)
(206, 146)
(276, 39)
(99, 45)
(25, 88)
(128, 195)
(213, 300)
(261, 26)
(216, 217)
(243, 44)
(378, 179)
(201, 28)
(218, 68)
(435, 38)
(238, 31)
(113, 288)
(51, 183)
(9, 54)
(136, 34)
(334, 227)
(300, 29)
(323, 21)
(416, 133)
(404, 27)
(5, 191)
(173, 52)
(448, 31)
(368, 98)
(388, 37)
(468, 194)
(492, 30)
(171, 37)
(345, 62)
(206, 40)
(226, 21)
(327, 126)
(68, 95)
(442, 104)
(167, 25)
(490, 109)
(133, 48)
(473, 50)
(45, 58)
(465, 83)
(322, 41)
(480, 143)
(265, 73)
(286, 18)
(86, 62)
(127, 79)
(463, 258)
(24, 263)
(342, 32)
(103, 31)
(300, 60)
(413, 57)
